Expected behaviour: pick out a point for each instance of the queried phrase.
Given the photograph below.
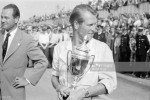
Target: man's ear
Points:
(76, 25)
(16, 20)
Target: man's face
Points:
(7, 20)
(48, 30)
(88, 27)
(140, 31)
(125, 32)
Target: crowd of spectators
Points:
(51, 17)
(47, 37)
(113, 4)
(121, 33)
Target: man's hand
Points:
(20, 81)
(77, 95)
(63, 91)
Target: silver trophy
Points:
(79, 62)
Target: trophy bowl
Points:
(79, 63)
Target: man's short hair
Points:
(76, 14)
(16, 12)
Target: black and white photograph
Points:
(75, 50)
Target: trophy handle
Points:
(91, 60)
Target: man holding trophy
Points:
(83, 68)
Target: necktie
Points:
(5, 44)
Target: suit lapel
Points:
(16, 42)
(1, 43)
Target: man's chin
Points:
(90, 36)
(3, 27)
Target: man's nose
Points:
(3, 20)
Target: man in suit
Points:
(124, 47)
(124, 52)
(15, 51)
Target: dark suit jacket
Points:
(142, 45)
(124, 46)
(22, 48)
(100, 37)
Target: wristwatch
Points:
(86, 93)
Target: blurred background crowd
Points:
(123, 24)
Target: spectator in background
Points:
(132, 44)
(53, 41)
(60, 34)
(48, 49)
(100, 35)
(112, 31)
(54, 37)
(108, 36)
(43, 38)
(49, 29)
(138, 21)
(124, 47)
(143, 46)
(28, 29)
(117, 42)
(145, 21)
(35, 33)
(65, 34)
(44, 41)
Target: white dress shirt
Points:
(93, 76)
(12, 34)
